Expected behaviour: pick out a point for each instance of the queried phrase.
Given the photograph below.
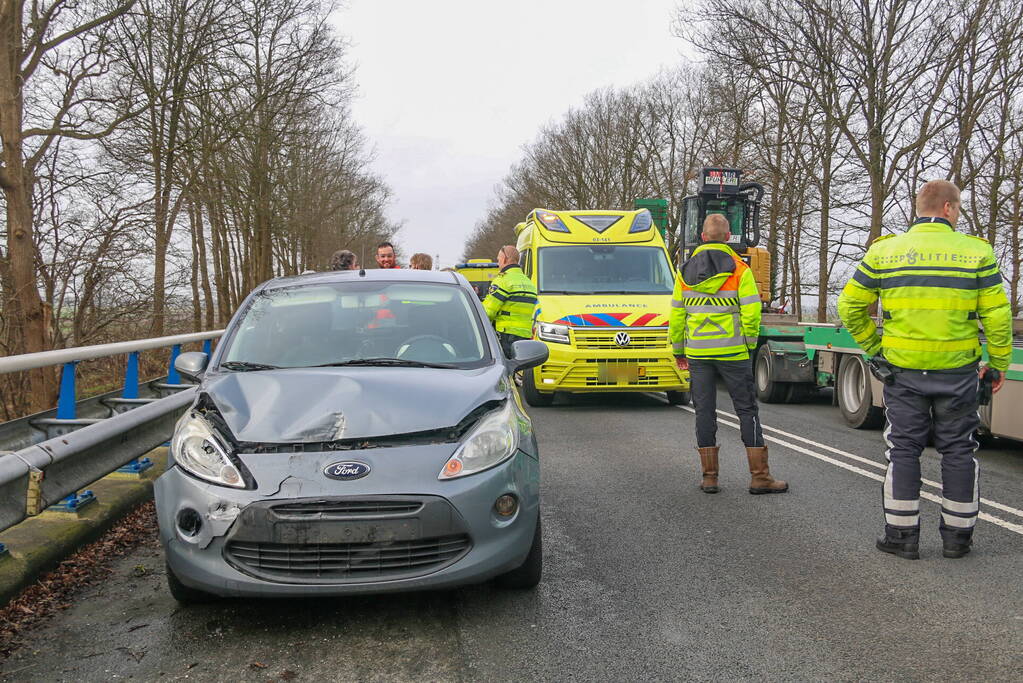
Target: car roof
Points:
(370, 275)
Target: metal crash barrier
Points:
(46, 459)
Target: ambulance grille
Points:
(639, 338)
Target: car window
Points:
(341, 322)
(604, 268)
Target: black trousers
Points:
(506, 342)
(738, 377)
(945, 401)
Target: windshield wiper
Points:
(246, 366)
(393, 362)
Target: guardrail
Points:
(78, 451)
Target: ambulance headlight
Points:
(553, 333)
(551, 221)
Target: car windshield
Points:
(604, 269)
(358, 323)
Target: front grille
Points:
(316, 508)
(639, 338)
(346, 561)
(585, 373)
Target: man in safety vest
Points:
(934, 285)
(511, 300)
(714, 324)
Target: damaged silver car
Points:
(354, 431)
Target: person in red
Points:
(385, 259)
(385, 256)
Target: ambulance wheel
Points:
(678, 398)
(855, 395)
(533, 396)
(768, 390)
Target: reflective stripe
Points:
(911, 521)
(701, 308)
(865, 280)
(940, 268)
(693, 294)
(731, 301)
(958, 522)
(928, 304)
(716, 343)
(890, 342)
(678, 348)
(955, 506)
(752, 340)
(751, 299)
(999, 350)
(997, 298)
(675, 303)
(896, 504)
(943, 281)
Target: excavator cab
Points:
(722, 191)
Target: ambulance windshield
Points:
(604, 269)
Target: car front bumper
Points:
(206, 560)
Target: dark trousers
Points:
(947, 402)
(738, 377)
(506, 343)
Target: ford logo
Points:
(622, 339)
(346, 471)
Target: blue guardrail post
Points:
(131, 390)
(67, 410)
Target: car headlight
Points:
(553, 333)
(197, 449)
(494, 439)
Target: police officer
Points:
(511, 300)
(934, 285)
(714, 324)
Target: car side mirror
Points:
(528, 353)
(191, 364)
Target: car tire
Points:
(855, 395)
(533, 396)
(768, 390)
(529, 573)
(185, 594)
(678, 398)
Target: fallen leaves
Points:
(56, 590)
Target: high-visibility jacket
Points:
(715, 307)
(934, 284)
(511, 301)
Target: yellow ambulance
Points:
(604, 281)
(479, 272)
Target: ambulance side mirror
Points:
(528, 353)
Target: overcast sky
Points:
(450, 91)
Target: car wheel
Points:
(678, 398)
(185, 594)
(534, 396)
(855, 396)
(529, 573)
(768, 390)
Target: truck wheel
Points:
(855, 396)
(768, 390)
(534, 397)
(678, 398)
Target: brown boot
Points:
(709, 461)
(762, 481)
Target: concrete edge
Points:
(41, 543)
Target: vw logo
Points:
(346, 471)
(622, 339)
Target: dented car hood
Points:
(305, 405)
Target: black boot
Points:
(904, 543)
(955, 544)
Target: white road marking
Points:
(927, 495)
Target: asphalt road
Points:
(646, 578)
